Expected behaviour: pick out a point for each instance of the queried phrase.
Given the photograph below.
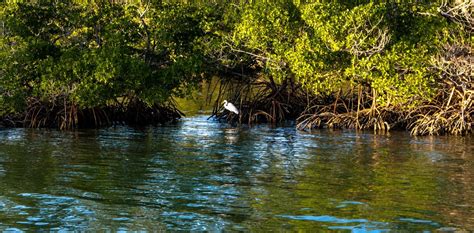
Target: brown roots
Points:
(260, 101)
(66, 115)
(380, 120)
(449, 112)
(460, 12)
(264, 101)
(351, 111)
(452, 110)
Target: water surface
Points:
(205, 175)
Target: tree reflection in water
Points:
(204, 175)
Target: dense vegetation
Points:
(354, 64)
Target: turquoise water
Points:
(209, 176)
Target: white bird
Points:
(230, 107)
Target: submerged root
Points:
(267, 102)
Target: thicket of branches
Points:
(354, 64)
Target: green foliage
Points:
(331, 46)
(267, 30)
(96, 54)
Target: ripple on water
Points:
(344, 223)
(345, 204)
(193, 221)
(204, 175)
(419, 221)
(54, 210)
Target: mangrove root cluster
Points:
(65, 115)
(261, 101)
(451, 110)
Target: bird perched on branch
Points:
(230, 107)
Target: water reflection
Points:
(206, 176)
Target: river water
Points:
(209, 176)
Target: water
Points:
(208, 176)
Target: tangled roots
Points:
(451, 110)
(66, 115)
(261, 101)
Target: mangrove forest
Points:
(325, 64)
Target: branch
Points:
(461, 13)
(249, 53)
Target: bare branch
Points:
(461, 12)
(363, 46)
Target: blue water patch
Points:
(323, 218)
(21, 207)
(353, 203)
(344, 204)
(120, 219)
(41, 223)
(419, 221)
(362, 225)
(202, 175)
(12, 229)
(360, 228)
(34, 219)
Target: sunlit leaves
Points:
(327, 46)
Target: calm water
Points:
(205, 175)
